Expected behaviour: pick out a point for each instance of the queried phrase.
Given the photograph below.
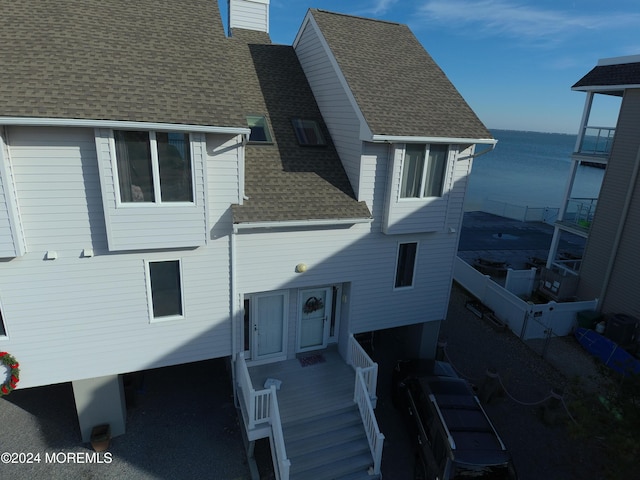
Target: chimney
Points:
(249, 15)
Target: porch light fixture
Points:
(301, 268)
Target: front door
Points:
(315, 306)
(269, 323)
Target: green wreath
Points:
(13, 377)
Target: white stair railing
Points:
(281, 461)
(374, 436)
(262, 407)
(358, 357)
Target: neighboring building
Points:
(169, 194)
(609, 266)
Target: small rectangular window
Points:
(406, 264)
(423, 170)
(259, 129)
(308, 132)
(153, 167)
(165, 289)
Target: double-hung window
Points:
(153, 167)
(406, 264)
(164, 286)
(423, 170)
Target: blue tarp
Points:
(608, 351)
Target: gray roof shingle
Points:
(611, 75)
(146, 61)
(397, 85)
(286, 181)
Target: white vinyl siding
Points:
(93, 312)
(337, 110)
(249, 14)
(12, 242)
(143, 226)
(431, 213)
(266, 261)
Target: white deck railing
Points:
(358, 357)
(280, 452)
(262, 407)
(374, 436)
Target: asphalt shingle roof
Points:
(286, 181)
(397, 85)
(611, 75)
(148, 60)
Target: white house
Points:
(169, 194)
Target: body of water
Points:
(528, 169)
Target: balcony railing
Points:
(597, 140)
(580, 212)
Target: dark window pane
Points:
(308, 132)
(436, 167)
(3, 332)
(412, 171)
(165, 288)
(406, 264)
(135, 177)
(259, 129)
(174, 162)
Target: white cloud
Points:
(380, 7)
(519, 20)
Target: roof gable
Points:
(399, 88)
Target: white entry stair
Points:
(329, 446)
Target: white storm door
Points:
(314, 313)
(269, 319)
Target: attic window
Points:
(308, 132)
(259, 129)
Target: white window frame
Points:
(426, 148)
(415, 266)
(152, 318)
(3, 325)
(155, 171)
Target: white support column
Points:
(100, 401)
(585, 120)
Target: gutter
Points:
(233, 312)
(300, 223)
(413, 139)
(118, 124)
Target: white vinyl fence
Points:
(524, 319)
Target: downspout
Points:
(618, 237)
(233, 316)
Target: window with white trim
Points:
(423, 170)
(164, 286)
(3, 331)
(405, 267)
(153, 167)
(308, 132)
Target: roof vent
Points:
(249, 15)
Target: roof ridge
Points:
(357, 16)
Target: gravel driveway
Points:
(539, 451)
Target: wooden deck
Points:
(310, 390)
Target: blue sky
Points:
(514, 61)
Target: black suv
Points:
(454, 438)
